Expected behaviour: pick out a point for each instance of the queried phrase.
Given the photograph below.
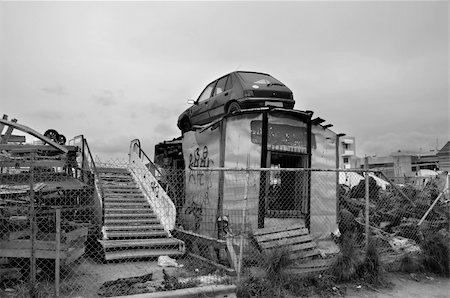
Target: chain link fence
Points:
(102, 229)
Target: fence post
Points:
(58, 249)
(244, 215)
(32, 231)
(366, 167)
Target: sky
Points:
(116, 71)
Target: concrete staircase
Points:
(130, 225)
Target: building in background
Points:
(347, 152)
(443, 157)
(403, 164)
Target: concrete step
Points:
(135, 234)
(127, 221)
(133, 227)
(127, 205)
(141, 253)
(116, 184)
(125, 199)
(124, 189)
(116, 176)
(112, 170)
(123, 211)
(109, 244)
(130, 216)
(125, 194)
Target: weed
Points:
(436, 253)
(255, 287)
(370, 270)
(411, 263)
(346, 264)
(275, 263)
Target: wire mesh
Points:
(113, 229)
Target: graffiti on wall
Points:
(199, 159)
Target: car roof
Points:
(242, 71)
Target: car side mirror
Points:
(191, 101)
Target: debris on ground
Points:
(166, 261)
(128, 286)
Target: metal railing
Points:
(145, 174)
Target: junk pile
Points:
(402, 218)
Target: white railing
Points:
(144, 172)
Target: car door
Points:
(199, 112)
(221, 95)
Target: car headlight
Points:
(249, 93)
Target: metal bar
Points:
(366, 180)
(278, 170)
(431, 207)
(397, 189)
(57, 252)
(33, 233)
(223, 131)
(244, 214)
(263, 176)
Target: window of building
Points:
(345, 159)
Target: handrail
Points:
(88, 160)
(154, 169)
(147, 181)
(96, 178)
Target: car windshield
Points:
(259, 79)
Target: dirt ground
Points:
(406, 285)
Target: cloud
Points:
(164, 130)
(56, 89)
(108, 98)
(47, 115)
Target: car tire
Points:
(234, 107)
(52, 135)
(185, 125)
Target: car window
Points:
(258, 78)
(220, 87)
(207, 92)
(229, 83)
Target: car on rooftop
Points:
(233, 92)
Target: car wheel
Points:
(52, 135)
(185, 125)
(234, 107)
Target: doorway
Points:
(286, 190)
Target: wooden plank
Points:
(35, 134)
(320, 263)
(26, 253)
(16, 139)
(297, 247)
(18, 234)
(231, 253)
(74, 254)
(38, 163)
(75, 234)
(278, 229)
(26, 244)
(304, 254)
(5, 137)
(281, 235)
(23, 148)
(5, 117)
(284, 242)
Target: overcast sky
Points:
(115, 71)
